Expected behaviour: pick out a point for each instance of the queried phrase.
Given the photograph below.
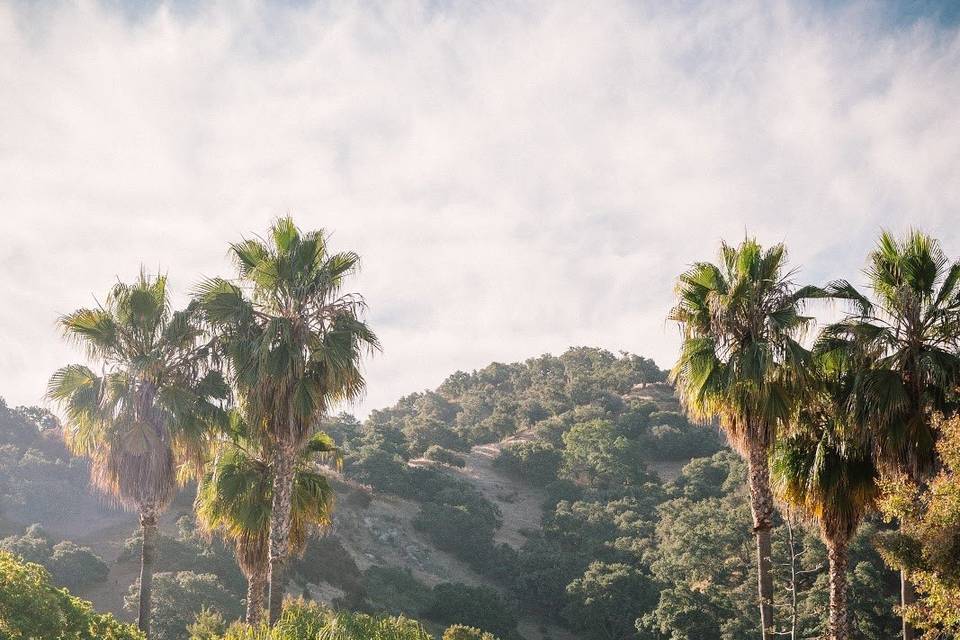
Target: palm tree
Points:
(907, 338)
(293, 344)
(234, 498)
(147, 412)
(740, 362)
(827, 470)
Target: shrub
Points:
(606, 600)
(453, 528)
(389, 473)
(75, 567)
(382, 470)
(396, 591)
(31, 607)
(306, 620)
(208, 625)
(326, 560)
(444, 456)
(460, 520)
(423, 432)
(461, 632)
(596, 455)
(474, 607)
(536, 462)
(32, 546)
(668, 441)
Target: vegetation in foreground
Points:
(32, 607)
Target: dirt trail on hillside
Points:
(521, 504)
(382, 534)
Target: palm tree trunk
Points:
(907, 597)
(761, 505)
(148, 553)
(839, 625)
(792, 548)
(256, 589)
(280, 527)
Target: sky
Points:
(519, 177)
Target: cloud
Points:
(519, 177)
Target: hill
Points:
(564, 496)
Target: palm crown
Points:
(150, 407)
(740, 361)
(292, 341)
(907, 338)
(235, 497)
(235, 492)
(740, 321)
(823, 466)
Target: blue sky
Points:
(519, 177)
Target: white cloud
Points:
(519, 177)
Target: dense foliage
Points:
(927, 544)
(32, 607)
(69, 564)
(472, 606)
(500, 400)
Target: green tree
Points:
(738, 363)
(234, 498)
(292, 342)
(908, 340)
(147, 412)
(595, 454)
(481, 607)
(701, 557)
(31, 607)
(208, 625)
(607, 599)
(69, 564)
(928, 542)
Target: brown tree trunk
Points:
(256, 589)
(761, 505)
(280, 528)
(907, 597)
(839, 625)
(148, 554)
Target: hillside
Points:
(529, 498)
